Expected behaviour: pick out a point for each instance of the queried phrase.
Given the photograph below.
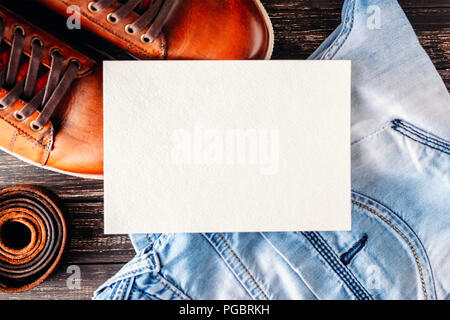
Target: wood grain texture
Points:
(300, 26)
(60, 285)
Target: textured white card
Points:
(226, 146)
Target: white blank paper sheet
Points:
(226, 146)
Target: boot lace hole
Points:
(37, 41)
(76, 62)
(145, 39)
(55, 51)
(111, 17)
(18, 116)
(91, 7)
(20, 30)
(129, 29)
(35, 127)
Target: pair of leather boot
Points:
(51, 94)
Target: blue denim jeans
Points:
(399, 245)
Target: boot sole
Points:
(73, 174)
(269, 27)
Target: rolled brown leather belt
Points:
(33, 235)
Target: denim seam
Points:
(420, 137)
(112, 294)
(398, 124)
(403, 236)
(162, 241)
(120, 293)
(157, 243)
(375, 133)
(151, 296)
(355, 279)
(150, 241)
(333, 261)
(258, 286)
(408, 231)
(422, 143)
(118, 290)
(132, 271)
(290, 265)
(168, 285)
(347, 28)
(428, 139)
(243, 265)
(129, 288)
(426, 135)
(435, 143)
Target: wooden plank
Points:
(437, 46)
(299, 33)
(88, 244)
(60, 285)
(15, 172)
(337, 4)
(424, 3)
(300, 27)
(430, 19)
(445, 74)
(82, 201)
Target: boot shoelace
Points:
(48, 98)
(155, 16)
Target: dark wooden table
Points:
(300, 26)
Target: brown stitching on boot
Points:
(163, 46)
(49, 144)
(243, 265)
(404, 238)
(13, 141)
(23, 133)
(147, 53)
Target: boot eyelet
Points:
(37, 40)
(76, 61)
(17, 116)
(35, 127)
(55, 51)
(3, 107)
(145, 39)
(92, 8)
(111, 18)
(21, 29)
(129, 29)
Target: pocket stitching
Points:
(404, 237)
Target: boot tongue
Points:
(144, 6)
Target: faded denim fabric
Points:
(399, 246)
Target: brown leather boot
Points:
(50, 100)
(178, 29)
